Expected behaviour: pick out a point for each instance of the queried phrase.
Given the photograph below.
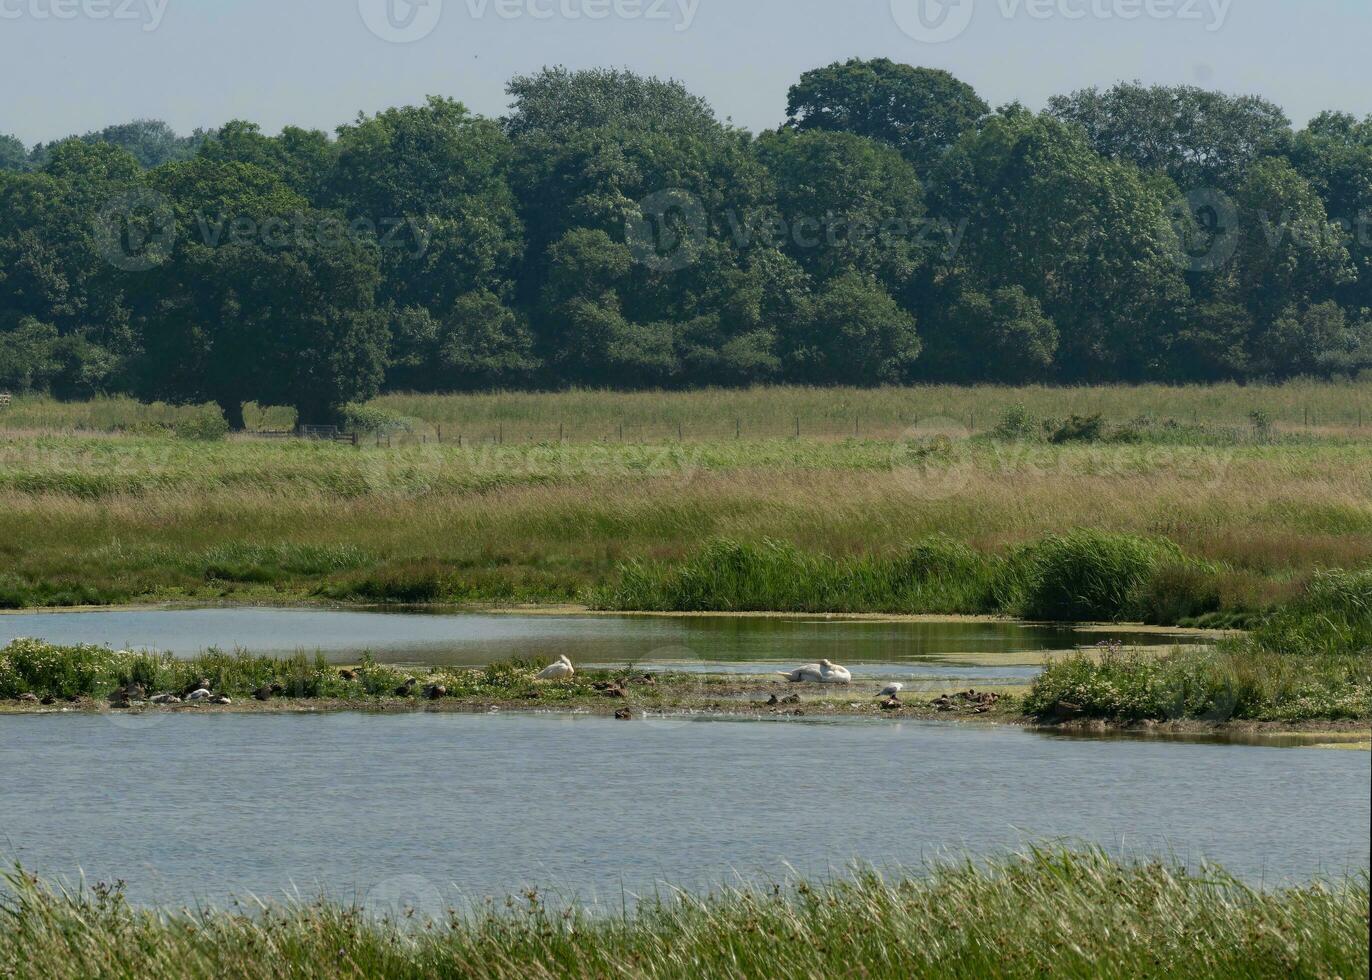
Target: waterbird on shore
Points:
(810, 672)
(560, 669)
(891, 690)
(199, 694)
(832, 673)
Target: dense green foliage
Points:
(611, 231)
(1044, 913)
(1083, 575)
(1311, 658)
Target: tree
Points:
(484, 344)
(1001, 336)
(1334, 154)
(13, 154)
(263, 299)
(302, 159)
(856, 334)
(1317, 340)
(922, 112)
(1087, 238)
(846, 203)
(1288, 252)
(1198, 138)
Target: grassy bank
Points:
(104, 519)
(1083, 575)
(1043, 914)
(765, 412)
(1312, 658)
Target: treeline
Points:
(612, 231)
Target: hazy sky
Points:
(68, 66)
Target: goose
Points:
(891, 690)
(199, 694)
(810, 672)
(832, 673)
(559, 670)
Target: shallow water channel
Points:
(952, 650)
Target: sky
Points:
(70, 66)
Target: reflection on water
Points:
(915, 649)
(197, 807)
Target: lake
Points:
(439, 808)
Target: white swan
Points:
(559, 670)
(810, 672)
(890, 690)
(832, 673)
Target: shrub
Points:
(1078, 428)
(1017, 423)
(1177, 591)
(371, 419)
(1088, 575)
(206, 426)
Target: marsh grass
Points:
(1309, 659)
(1083, 575)
(1045, 913)
(98, 519)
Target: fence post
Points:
(797, 427)
(561, 430)
(680, 433)
(738, 428)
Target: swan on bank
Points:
(824, 672)
(832, 673)
(810, 672)
(559, 670)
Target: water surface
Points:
(917, 649)
(438, 808)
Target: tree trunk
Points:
(233, 414)
(316, 413)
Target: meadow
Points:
(104, 502)
(1042, 913)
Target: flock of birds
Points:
(823, 672)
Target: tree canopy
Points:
(611, 230)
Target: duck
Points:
(810, 672)
(407, 689)
(832, 673)
(560, 669)
(891, 691)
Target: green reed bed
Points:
(1081, 575)
(85, 671)
(1311, 659)
(1046, 913)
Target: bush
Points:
(1078, 428)
(369, 419)
(1088, 575)
(1177, 591)
(1017, 423)
(207, 426)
